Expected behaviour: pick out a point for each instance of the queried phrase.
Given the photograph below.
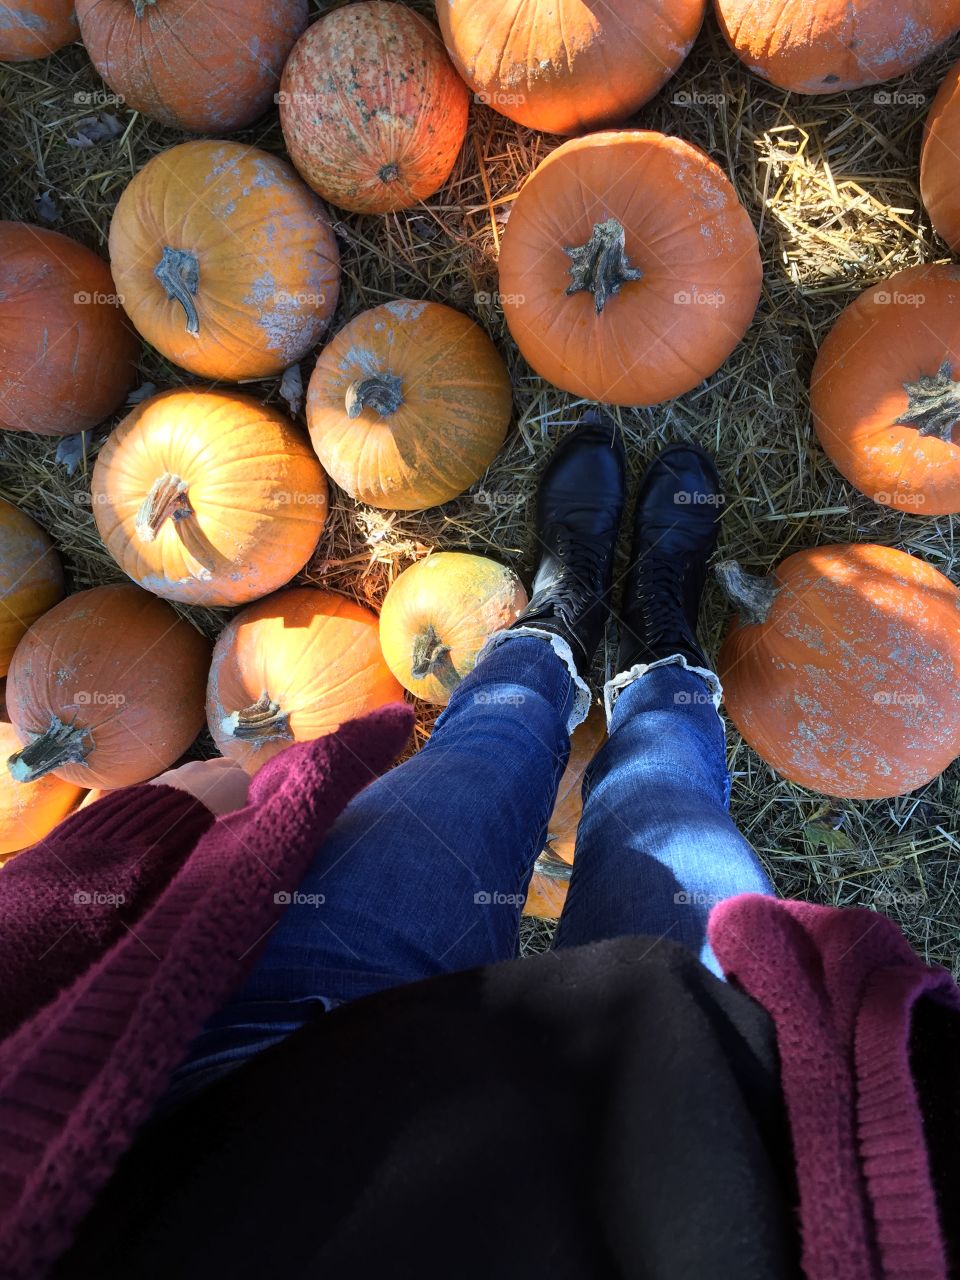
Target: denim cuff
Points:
(613, 688)
(581, 693)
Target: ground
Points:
(832, 186)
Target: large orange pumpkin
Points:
(842, 669)
(408, 405)
(938, 159)
(66, 352)
(191, 64)
(885, 391)
(292, 668)
(29, 810)
(208, 497)
(564, 66)
(822, 46)
(36, 28)
(106, 689)
(372, 111)
(31, 577)
(629, 270)
(227, 263)
(438, 614)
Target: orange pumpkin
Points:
(372, 111)
(842, 669)
(208, 497)
(29, 810)
(189, 63)
(563, 66)
(885, 391)
(292, 668)
(106, 689)
(629, 270)
(548, 887)
(408, 405)
(227, 264)
(822, 46)
(36, 28)
(66, 353)
(439, 613)
(938, 160)
(31, 577)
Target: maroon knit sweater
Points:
(125, 929)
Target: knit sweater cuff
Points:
(136, 813)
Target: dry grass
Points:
(832, 186)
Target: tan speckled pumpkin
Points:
(36, 28)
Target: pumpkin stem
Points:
(263, 719)
(167, 499)
(138, 6)
(429, 654)
(934, 404)
(179, 273)
(601, 266)
(381, 391)
(61, 744)
(549, 865)
(752, 593)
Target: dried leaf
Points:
(92, 129)
(70, 451)
(291, 388)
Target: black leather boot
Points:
(674, 534)
(579, 506)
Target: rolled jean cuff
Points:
(582, 696)
(613, 688)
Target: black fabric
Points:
(934, 1048)
(611, 1110)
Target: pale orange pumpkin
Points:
(408, 405)
(31, 577)
(208, 497)
(36, 28)
(226, 262)
(372, 111)
(29, 810)
(938, 160)
(885, 391)
(629, 270)
(292, 668)
(564, 66)
(842, 669)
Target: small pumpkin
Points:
(189, 63)
(66, 352)
(207, 497)
(106, 689)
(29, 810)
(823, 46)
(437, 616)
(563, 66)
(36, 28)
(372, 111)
(629, 270)
(938, 160)
(227, 263)
(31, 577)
(842, 669)
(408, 405)
(885, 391)
(292, 668)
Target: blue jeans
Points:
(425, 871)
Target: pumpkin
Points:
(372, 111)
(31, 578)
(29, 810)
(629, 270)
(885, 391)
(208, 497)
(408, 405)
(106, 689)
(36, 28)
(563, 66)
(437, 616)
(938, 160)
(842, 669)
(66, 353)
(292, 668)
(189, 63)
(227, 264)
(822, 46)
(548, 887)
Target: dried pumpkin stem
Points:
(549, 865)
(263, 719)
(61, 744)
(167, 500)
(382, 392)
(140, 5)
(601, 266)
(752, 593)
(430, 654)
(933, 404)
(179, 273)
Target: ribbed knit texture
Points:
(840, 987)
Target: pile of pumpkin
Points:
(629, 271)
